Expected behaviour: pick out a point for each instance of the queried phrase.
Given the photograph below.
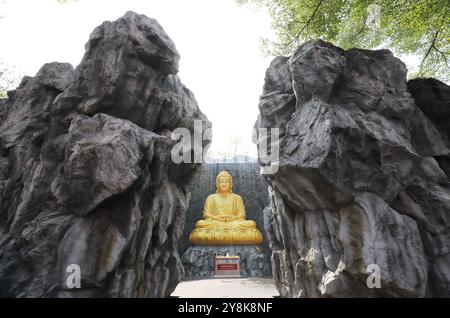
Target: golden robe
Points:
(224, 223)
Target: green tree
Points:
(419, 27)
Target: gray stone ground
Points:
(253, 287)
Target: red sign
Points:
(227, 267)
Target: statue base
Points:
(198, 260)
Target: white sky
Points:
(218, 41)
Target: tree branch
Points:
(429, 50)
(306, 23)
(432, 45)
(444, 55)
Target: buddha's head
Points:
(224, 182)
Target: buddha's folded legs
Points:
(244, 224)
(223, 236)
(213, 224)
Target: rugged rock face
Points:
(86, 173)
(432, 97)
(362, 175)
(199, 261)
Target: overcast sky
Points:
(218, 41)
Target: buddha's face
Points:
(224, 184)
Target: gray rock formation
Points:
(432, 97)
(198, 261)
(86, 173)
(362, 175)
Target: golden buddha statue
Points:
(224, 221)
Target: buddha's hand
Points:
(227, 218)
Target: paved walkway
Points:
(253, 287)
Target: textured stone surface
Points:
(433, 98)
(250, 287)
(85, 170)
(361, 176)
(247, 182)
(198, 261)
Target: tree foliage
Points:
(9, 78)
(419, 27)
